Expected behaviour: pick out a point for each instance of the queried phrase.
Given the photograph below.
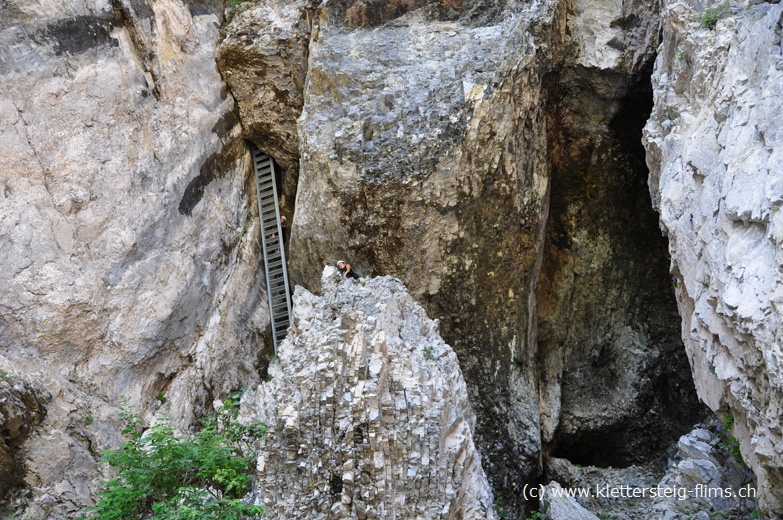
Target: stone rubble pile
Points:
(700, 466)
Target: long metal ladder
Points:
(274, 252)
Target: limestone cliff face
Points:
(424, 156)
(263, 58)
(483, 152)
(369, 405)
(129, 265)
(431, 140)
(714, 147)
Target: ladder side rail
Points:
(282, 249)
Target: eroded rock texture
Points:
(428, 138)
(615, 386)
(21, 409)
(714, 146)
(424, 156)
(263, 58)
(369, 406)
(127, 268)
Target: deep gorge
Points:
(488, 154)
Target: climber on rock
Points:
(346, 270)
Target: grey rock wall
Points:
(369, 405)
(129, 264)
(21, 409)
(423, 158)
(714, 151)
(263, 57)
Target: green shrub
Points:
(709, 18)
(728, 441)
(197, 476)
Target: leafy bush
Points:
(709, 18)
(197, 476)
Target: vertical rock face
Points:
(615, 382)
(263, 58)
(21, 409)
(369, 406)
(423, 149)
(615, 386)
(714, 145)
(128, 267)
(426, 153)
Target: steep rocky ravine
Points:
(426, 154)
(615, 383)
(484, 152)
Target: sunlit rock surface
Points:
(368, 412)
(715, 151)
(129, 265)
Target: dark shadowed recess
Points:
(215, 166)
(627, 389)
(78, 34)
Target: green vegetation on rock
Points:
(709, 18)
(196, 476)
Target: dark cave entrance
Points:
(618, 377)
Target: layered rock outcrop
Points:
(457, 145)
(369, 406)
(428, 140)
(129, 262)
(714, 147)
(423, 151)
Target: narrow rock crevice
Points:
(616, 387)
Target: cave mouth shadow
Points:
(600, 201)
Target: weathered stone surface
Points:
(560, 506)
(368, 412)
(610, 35)
(423, 157)
(701, 476)
(716, 171)
(21, 409)
(127, 268)
(263, 57)
(701, 460)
